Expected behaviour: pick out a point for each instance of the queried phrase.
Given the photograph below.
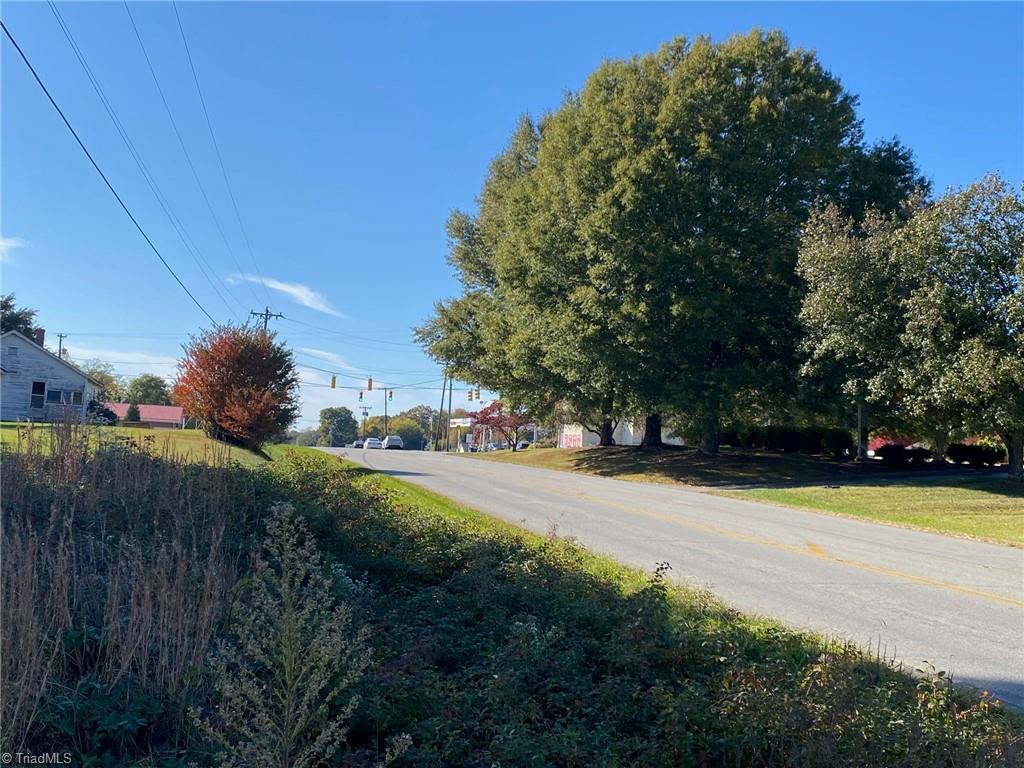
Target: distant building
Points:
(578, 436)
(156, 416)
(37, 385)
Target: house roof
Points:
(171, 414)
(60, 360)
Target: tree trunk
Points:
(710, 439)
(1015, 454)
(862, 431)
(652, 432)
(940, 440)
(606, 434)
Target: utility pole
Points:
(385, 412)
(366, 410)
(266, 314)
(436, 436)
(448, 433)
(60, 344)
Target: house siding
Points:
(25, 362)
(578, 436)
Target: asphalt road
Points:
(922, 598)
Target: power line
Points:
(350, 335)
(216, 147)
(103, 175)
(154, 187)
(184, 148)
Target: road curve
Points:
(923, 598)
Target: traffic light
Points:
(369, 384)
(469, 395)
(360, 395)
(334, 381)
(391, 394)
(477, 395)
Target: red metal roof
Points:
(170, 414)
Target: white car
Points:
(372, 442)
(393, 442)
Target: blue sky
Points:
(349, 131)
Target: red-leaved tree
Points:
(511, 421)
(240, 383)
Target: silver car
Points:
(372, 442)
(393, 442)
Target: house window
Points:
(38, 390)
(12, 351)
(63, 397)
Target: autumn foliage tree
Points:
(240, 383)
(510, 420)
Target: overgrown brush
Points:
(117, 566)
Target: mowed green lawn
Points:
(192, 444)
(984, 507)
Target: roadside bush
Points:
(917, 457)
(284, 686)
(977, 454)
(893, 455)
(811, 439)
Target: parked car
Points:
(357, 444)
(372, 442)
(393, 442)
(522, 445)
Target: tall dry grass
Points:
(116, 566)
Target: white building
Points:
(37, 385)
(578, 436)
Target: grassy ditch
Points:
(130, 587)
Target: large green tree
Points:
(964, 333)
(636, 251)
(148, 389)
(337, 427)
(923, 314)
(111, 389)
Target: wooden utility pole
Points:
(436, 436)
(366, 410)
(448, 433)
(60, 344)
(266, 314)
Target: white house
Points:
(578, 436)
(35, 384)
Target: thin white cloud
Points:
(297, 292)
(329, 357)
(119, 358)
(8, 244)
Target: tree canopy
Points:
(241, 384)
(925, 314)
(148, 389)
(635, 251)
(337, 427)
(15, 318)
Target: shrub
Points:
(959, 453)
(132, 415)
(917, 456)
(98, 413)
(284, 685)
(837, 441)
(976, 454)
(240, 383)
(893, 455)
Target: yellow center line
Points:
(809, 550)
